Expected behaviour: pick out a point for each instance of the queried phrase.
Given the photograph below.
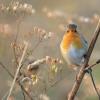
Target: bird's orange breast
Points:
(71, 38)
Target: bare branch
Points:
(81, 73)
(91, 66)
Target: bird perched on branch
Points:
(73, 46)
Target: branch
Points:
(17, 72)
(91, 66)
(81, 73)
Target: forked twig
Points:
(91, 66)
(81, 73)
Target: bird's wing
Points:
(84, 41)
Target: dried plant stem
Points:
(21, 86)
(3, 66)
(38, 43)
(81, 73)
(16, 37)
(18, 69)
(14, 49)
(23, 89)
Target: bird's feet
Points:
(89, 70)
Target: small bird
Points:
(73, 47)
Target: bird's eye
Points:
(74, 31)
(67, 31)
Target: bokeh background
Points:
(52, 16)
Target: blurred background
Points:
(26, 19)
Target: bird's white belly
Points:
(74, 56)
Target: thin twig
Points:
(94, 85)
(38, 43)
(18, 29)
(35, 47)
(16, 37)
(14, 49)
(13, 83)
(22, 91)
(81, 73)
(3, 66)
(91, 66)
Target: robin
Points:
(73, 46)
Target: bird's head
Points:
(71, 28)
